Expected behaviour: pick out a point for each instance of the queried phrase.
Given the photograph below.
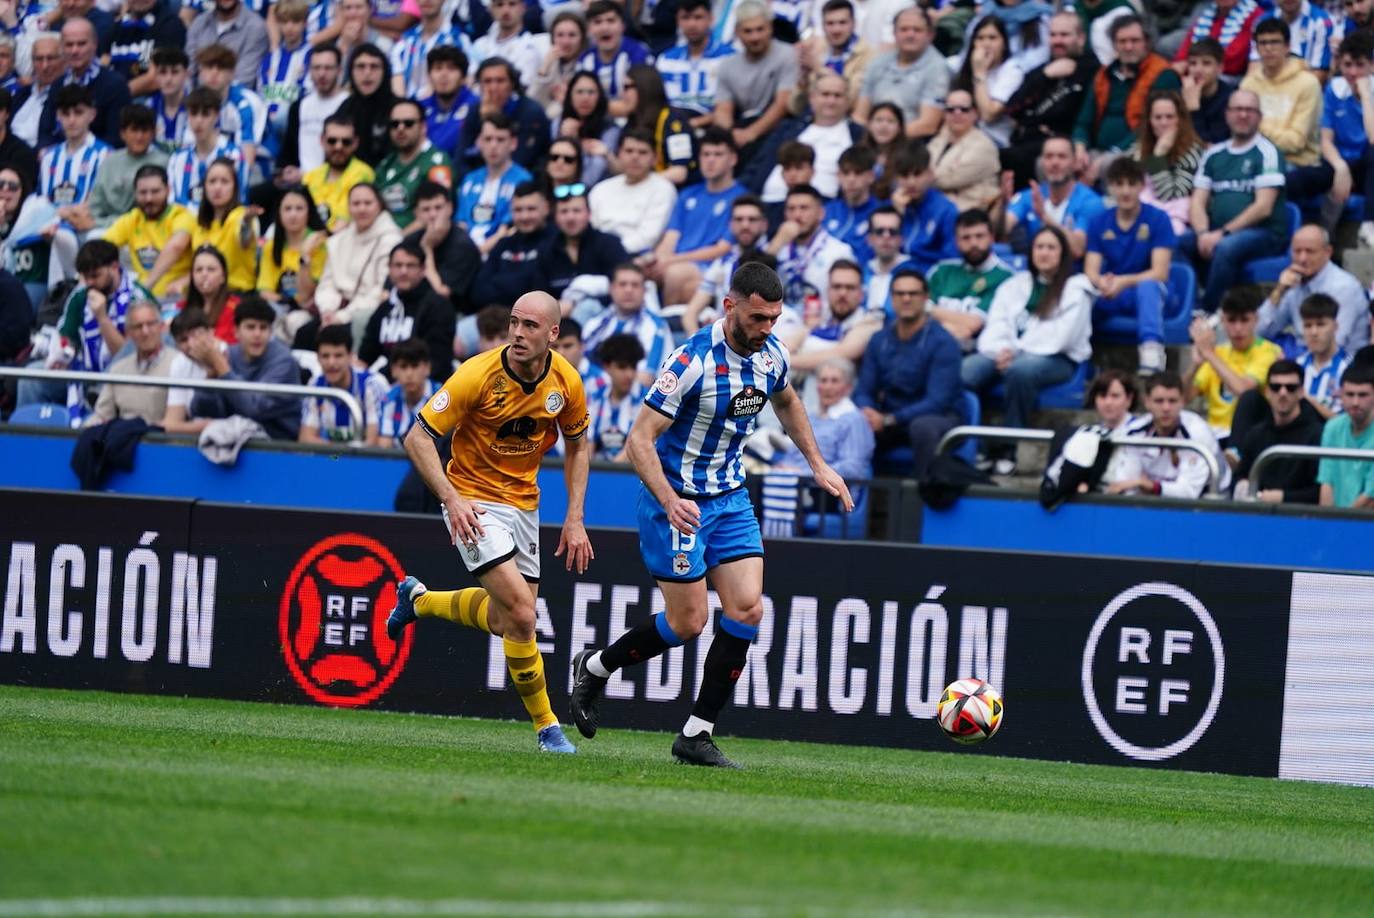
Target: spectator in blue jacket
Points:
(1059, 200)
(258, 357)
(499, 84)
(513, 267)
(909, 388)
(927, 215)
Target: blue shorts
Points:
(728, 531)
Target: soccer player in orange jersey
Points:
(501, 409)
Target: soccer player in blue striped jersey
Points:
(695, 518)
(67, 170)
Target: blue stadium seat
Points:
(1071, 392)
(1267, 270)
(973, 414)
(41, 414)
(1003, 251)
(1178, 311)
(896, 461)
(852, 525)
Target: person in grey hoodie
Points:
(258, 357)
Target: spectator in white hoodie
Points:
(355, 271)
(1038, 331)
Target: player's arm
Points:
(436, 419)
(792, 413)
(683, 514)
(167, 258)
(573, 540)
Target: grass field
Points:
(123, 804)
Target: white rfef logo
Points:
(667, 383)
(440, 400)
(1154, 668)
(554, 403)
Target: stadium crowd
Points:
(967, 203)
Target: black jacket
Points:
(531, 137)
(422, 314)
(457, 261)
(1210, 119)
(16, 317)
(599, 253)
(512, 268)
(111, 94)
(1297, 478)
(1045, 106)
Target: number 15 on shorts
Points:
(682, 541)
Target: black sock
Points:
(642, 642)
(724, 663)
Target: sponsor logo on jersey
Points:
(747, 402)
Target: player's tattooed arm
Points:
(792, 413)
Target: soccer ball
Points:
(970, 711)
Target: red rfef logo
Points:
(333, 621)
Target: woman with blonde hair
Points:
(1170, 150)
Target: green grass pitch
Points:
(124, 804)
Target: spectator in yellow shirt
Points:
(1225, 371)
(156, 234)
(332, 180)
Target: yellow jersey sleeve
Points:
(121, 231)
(573, 420)
(183, 221)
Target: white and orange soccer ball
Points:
(970, 711)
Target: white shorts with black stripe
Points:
(508, 532)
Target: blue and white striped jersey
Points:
(331, 418)
(318, 19)
(713, 395)
(281, 81)
(613, 75)
(1323, 386)
(169, 127)
(691, 82)
(409, 56)
(243, 117)
(398, 413)
(612, 418)
(186, 170)
(652, 331)
(66, 176)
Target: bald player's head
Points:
(533, 326)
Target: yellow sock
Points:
(464, 607)
(527, 672)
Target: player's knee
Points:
(687, 625)
(519, 621)
(749, 615)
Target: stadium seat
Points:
(1067, 395)
(41, 414)
(896, 461)
(852, 525)
(1267, 270)
(1178, 312)
(1003, 251)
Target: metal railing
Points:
(1016, 434)
(1267, 457)
(355, 409)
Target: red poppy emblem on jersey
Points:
(332, 621)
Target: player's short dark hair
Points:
(909, 270)
(72, 96)
(252, 306)
(1241, 300)
(1126, 169)
(910, 159)
(328, 49)
(624, 350)
(169, 56)
(96, 254)
(138, 117)
(409, 353)
(203, 99)
(1319, 306)
(638, 134)
(220, 57)
(1283, 367)
(1275, 26)
(430, 189)
(752, 278)
(806, 190)
(570, 328)
(532, 186)
(796, 153)
(336, 335)
(845, 264)
(1207, 47)
(151, 170)
(1125, 22)
(493, 320)
(447, 54)
(1358, 44)
(858, 158)
(188, 320)
(1164, 379)
(602, 7)
(717, 136)
(688, 6)
(409, 247)
(974, 216)
(757, 256)
(749, 200)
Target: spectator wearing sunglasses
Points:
(1289, 421)
(578, 260)
(413, 160)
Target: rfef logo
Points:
(332, 621)
(1153, 671)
